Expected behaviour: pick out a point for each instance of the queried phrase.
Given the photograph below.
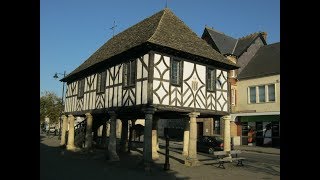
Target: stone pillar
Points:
(124, 136)
(133, 131)
(104, 133)
(155, 155)
(226, 136)
(64, 130)
(112, 146)
(70, 145)
(147, 144)
(186, 138)
(192, 159)
(89, 131)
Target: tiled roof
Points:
(264, 63)
(224, 43)
(163, 29)
(244, 43)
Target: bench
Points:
(223, 157)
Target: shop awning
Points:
(263, 118)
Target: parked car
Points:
(210, 144)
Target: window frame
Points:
(209, 69)
(131, 80)
(81, 86)
(257, 94)
(233, 97)
(101, 87)
(180, 73)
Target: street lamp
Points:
(56, 77)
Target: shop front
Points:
(262, 130)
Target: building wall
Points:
(115, 95)
(242, 95)
(193, 91)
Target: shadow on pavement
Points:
(56, 163)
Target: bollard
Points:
(166, 164)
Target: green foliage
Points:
(50, 106)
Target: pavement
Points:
(268, 150)
(56, 163)
(257, 149)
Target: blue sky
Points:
(72, 30)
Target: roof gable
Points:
(244, 42)
(224, 43)
(163, 29)
(264, 63)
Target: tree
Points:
(50, 106)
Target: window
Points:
(217, 126)
(80, 88)
(176, 72)
(253, 94)
(233, 97)
(262, 97)
(211, 80)
(271, 93)
(129, 73)
(232, 73)
(262, 93)
(101, 82)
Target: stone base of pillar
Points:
(185, 154)
(113, 157)
(192, 162)
(71, 148)
(155, 156)
(147, 167)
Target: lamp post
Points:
(56, 77)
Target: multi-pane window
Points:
(101, 82)
(81, 88)
(253, 94)
(271, 93)
(176, 72)
(216, 126)
(129, 73)
(233, 97)
(261, 94)
(211, 80)
(232, 73)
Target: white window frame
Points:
(266, 96)
(233, 97)
(233, 73)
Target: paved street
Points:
(57, 165)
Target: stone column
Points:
(112, 146)
(226, 136)
(70, 145)
(133, 132)
(155, 155)
(88, 143)
(64, 130)
(147, 144)
(186, 137)
(104, 133)
(124, 136)
(192, 159)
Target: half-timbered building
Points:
(158, 68)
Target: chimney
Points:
(264, 35)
